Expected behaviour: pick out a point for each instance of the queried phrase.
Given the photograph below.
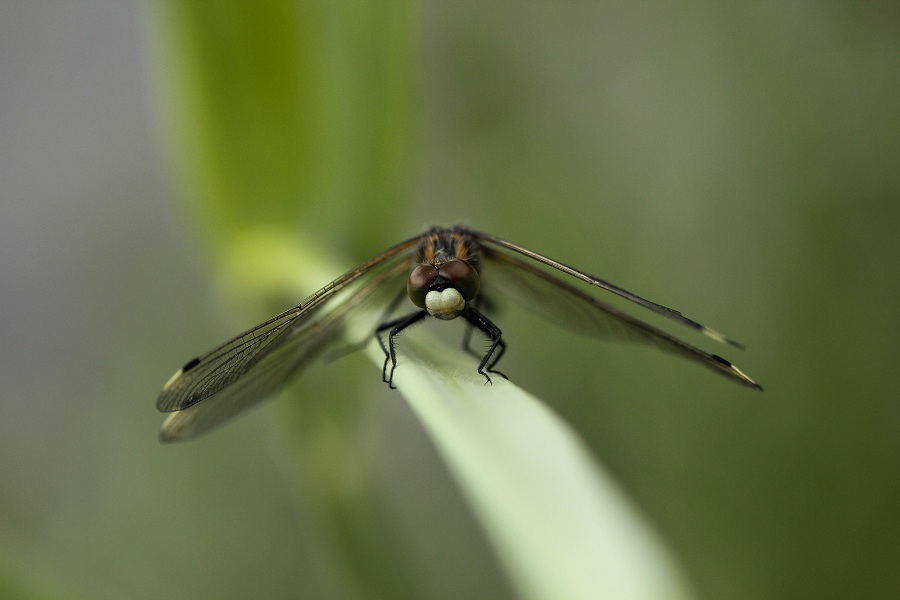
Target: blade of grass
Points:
(559, 523)
(289, 115)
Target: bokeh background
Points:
(739, 162)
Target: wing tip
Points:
(171, 381)
(172, 429)
(728, 368)
(721, 338)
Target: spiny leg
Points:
(467, 336)
(467, 346)
(476, 319)
(390, 352)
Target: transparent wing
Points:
(206, 375)
(258, 364)
(250, 367)
(505, 275)
(270, 372)
(219, 368)
(665, 311)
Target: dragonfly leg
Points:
(467, 336)
(390, 352)
(498, 346)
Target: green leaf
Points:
(559, 523)
(289, 115)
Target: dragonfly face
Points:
(442, 269)
(447, 277)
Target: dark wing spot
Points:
(190, 365)
(719, 359)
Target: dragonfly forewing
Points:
(549, 296)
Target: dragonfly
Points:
(446, 273)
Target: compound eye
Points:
(418, 283)
(461, 276)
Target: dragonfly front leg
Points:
(390, 352)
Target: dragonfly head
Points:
(443, 289)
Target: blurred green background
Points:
(740, 163)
